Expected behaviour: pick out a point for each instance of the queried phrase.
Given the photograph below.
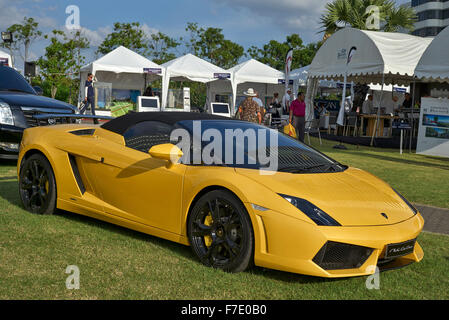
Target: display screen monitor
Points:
(220, 108)
(147, 104)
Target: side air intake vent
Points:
(76, 173)
(83, 132)
(336, 255)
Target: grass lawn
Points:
(116, 263)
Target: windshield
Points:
(246, 145)
(11, 80)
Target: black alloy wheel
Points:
(37, 185)
(220, 232)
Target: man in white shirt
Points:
(392, 106)
(286, 102)
(367, 106)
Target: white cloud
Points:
(293, 16)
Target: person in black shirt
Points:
(407, 101)
(89, 96)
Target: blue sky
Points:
(247, 22)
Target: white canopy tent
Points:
(253, 72)
(381, 57)
(189, 68)
(5, 58)
(124, 68)
(434, 63)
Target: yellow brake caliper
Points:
(208, 222)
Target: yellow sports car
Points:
(236, 192)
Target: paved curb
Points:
(435, 219)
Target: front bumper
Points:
(289, 244)
(9, 135)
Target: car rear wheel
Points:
(37, 186)
(220, 231)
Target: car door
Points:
(136, 186)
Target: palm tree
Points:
(353, 13)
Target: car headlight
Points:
(415, 211)
(6, 114)
(318, 216)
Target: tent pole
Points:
(376, 124)
(413, 119)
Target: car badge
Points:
(51, 121)
(384, 215)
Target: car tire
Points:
(37, 185)
(220, 232)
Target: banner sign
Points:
(282, 81)
(341, 84)
(396, 89)
(152, 70)
(4, 62)
(222, 75)
(433, 133)
(401, 124)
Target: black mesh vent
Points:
(32, 122)
(336, 255)
(83, 132)
(144, 143)
(294, 156)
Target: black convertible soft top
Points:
(121, 124)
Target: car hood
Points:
(30, 100)
(352, 197)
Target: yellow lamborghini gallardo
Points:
(237, 193)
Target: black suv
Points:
(19, 104)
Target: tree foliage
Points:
(129, 35)
(342, 13)
(273, 53)
(210, 44)
(62, 59)
(162, 47)
(24, 34)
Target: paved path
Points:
(435, 219)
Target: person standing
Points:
(286, 102)
(89, 94)
(249, 110)
(297, 114)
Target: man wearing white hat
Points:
(249, 109)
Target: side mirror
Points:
(166, 151)
(38, 90)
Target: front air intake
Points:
(336, 255)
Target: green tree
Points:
(24, 34)
(129, 35)
(161, 47)
(62, 60)
(342, 13)
(273, 53)
(210, 44)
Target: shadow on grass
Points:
(399, 160)
(177, 248)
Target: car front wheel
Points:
(37, 186)
(220, 231)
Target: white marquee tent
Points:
(5, 58)
(381, 57)
(252, 73)
(123, 68)
(434, 63)
(189, 68)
